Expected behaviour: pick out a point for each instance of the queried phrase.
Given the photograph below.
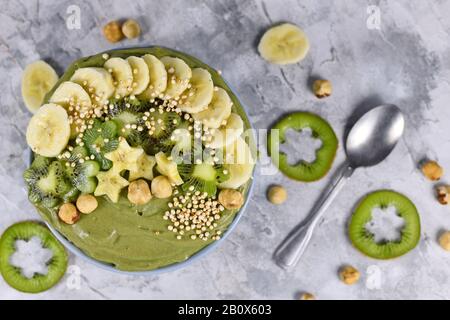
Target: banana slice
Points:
(178, 76)
(122, 74)
(239, 163)
(38, 78)
(158, 77)
(141, 74)
(218, 110)
(284, 44)
(227, 134)
(200, 94)
(168, 168)
(97, 82)
(71, 94)
(49, 130)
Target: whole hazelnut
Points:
(307, 296)
(432, 170)
(86, 203)
(444, 240)
(139, 192)
(349, 275)
(112, 31)
(277, 194)
(322, 88)
(161, 187)
(131, 29)
(231, 199)
(443, 194)
(68, 213)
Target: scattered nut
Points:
(277, 194)
(113, 32)
(349, 275)
(68, 213)
(432, 170)
(131, 29)
(443, 194)
(86, 203)
(322, 88)
(161, 187)
(139, 192)
(444, 240)
(306, 296)
(231, 199)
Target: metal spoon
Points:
(370, 141)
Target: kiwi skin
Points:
(364, 241)
(57, 265)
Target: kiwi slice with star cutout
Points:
(364, 240)
(13, 275)
(303, 170)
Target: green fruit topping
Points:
(101, 139)
(46, 184)
(202, 177)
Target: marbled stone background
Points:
(406, 62)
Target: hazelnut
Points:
(113, 32)
(444, 240)
(231, 199)
(349, 275)
(161, 187)
(86, 203)
(139, 192)
(68, 213)
(131, 29)
(306, 296)
(277, 194)
(432, 170)
(443, 194)
(322, 88)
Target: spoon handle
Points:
(291, 249)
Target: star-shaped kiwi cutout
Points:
(110, 183)
(124, 157)
(145, 164)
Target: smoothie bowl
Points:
(142, 159)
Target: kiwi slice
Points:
(179, 141)
(102, 139)
(83, 175)
(203, 177)
(304, 171)
(163, 123)
(127, 112)
(364, 240)
(46, 181)
(13, 275)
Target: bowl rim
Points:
(191, 259)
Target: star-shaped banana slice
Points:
(124, 157)
(110, 183)
(145, 164)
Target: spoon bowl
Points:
(374, 135)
